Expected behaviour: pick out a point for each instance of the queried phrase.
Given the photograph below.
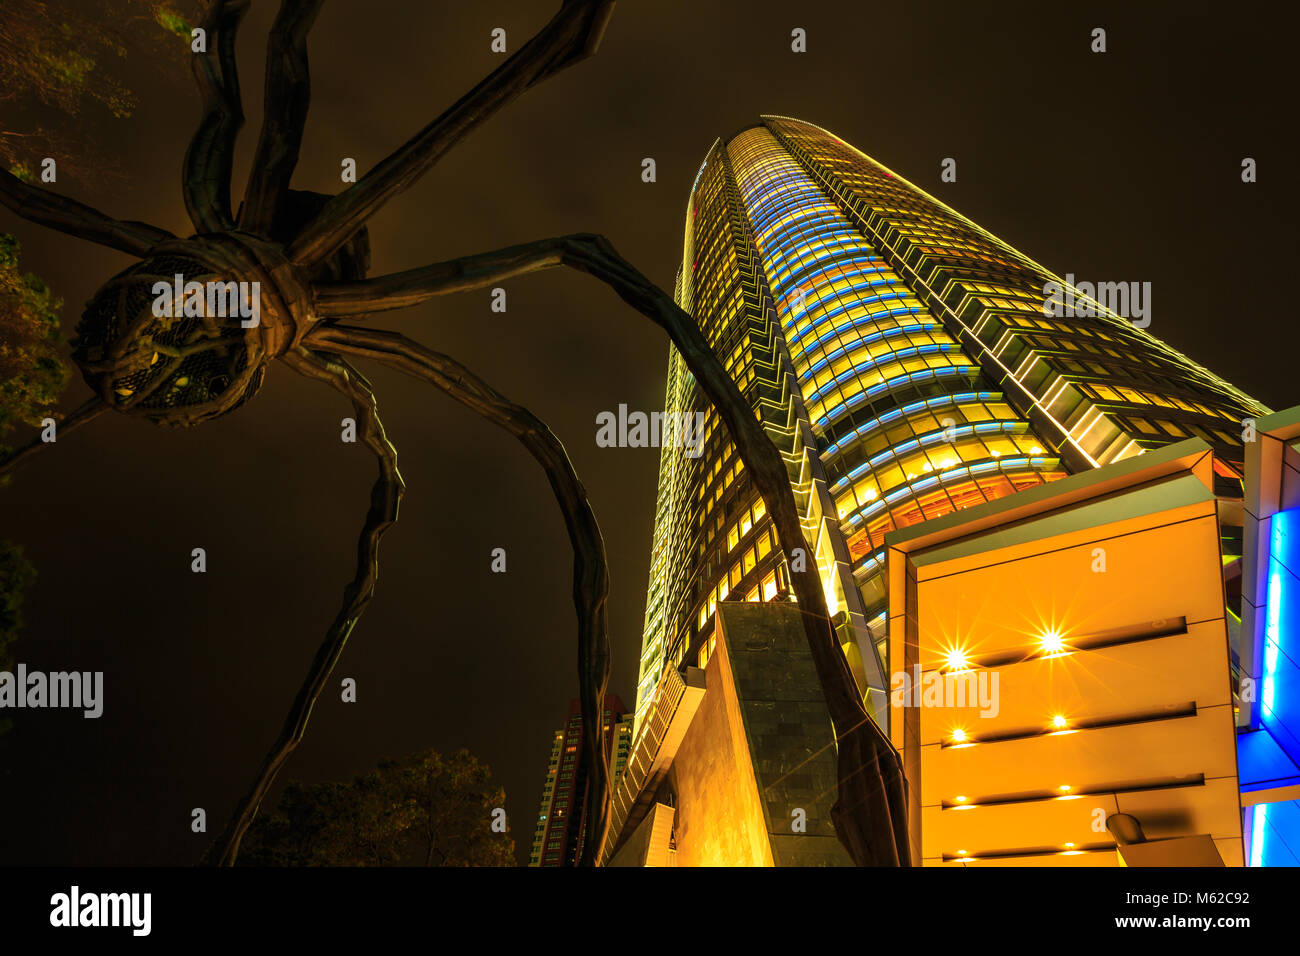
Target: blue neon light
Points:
(1270, 756)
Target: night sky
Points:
(1116, 167)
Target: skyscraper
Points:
(561, 822)
(908, 364)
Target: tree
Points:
(31, 372)
(306, 251)
(65, 59)
(31, 378)
(57, 58)
(16, 576)
(421, 810)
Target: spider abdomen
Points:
(185, 334)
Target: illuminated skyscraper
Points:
(908, 364)
(561, 822)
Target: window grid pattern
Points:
(713, 540)
(1109, 388)
(909, 431)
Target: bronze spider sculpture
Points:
(309, 253)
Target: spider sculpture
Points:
(309, 254)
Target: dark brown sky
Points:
(1122, 167)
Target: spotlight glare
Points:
(1052, 642)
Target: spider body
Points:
(179, 361)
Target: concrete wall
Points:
(760, 747)
(719, 818)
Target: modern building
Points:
(901, 358)
(561, 822)
(910, 367)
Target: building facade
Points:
(561, 821)
(1068, 692)
(908, 364)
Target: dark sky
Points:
(1121, 167)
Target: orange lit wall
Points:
(720, 818)
(1096, 610)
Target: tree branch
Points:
(210, 156)
(77, 219)
(590, 572)
(870, 811)
(88, 410)
(385, 497)
(571, 35)
(287, 100)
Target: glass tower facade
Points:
(907, 363)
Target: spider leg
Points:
(590, 571)
(287, 100)
(77, 219)
(83, 413)
(206, 177)
(385, 497)
(571, 35)
(400, 290)
(870, 819)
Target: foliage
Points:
(31, 377)
(31, 372)
(421, 810)
(64, 60)
(16, 576)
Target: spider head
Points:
(184, 335)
